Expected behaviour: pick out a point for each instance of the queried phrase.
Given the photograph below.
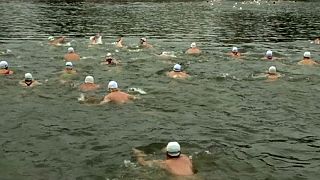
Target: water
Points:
(235, 127)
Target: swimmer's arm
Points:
(151, 163)
(22, 83)
(117, 62)
(262, 75)
(300, 62)
(105, 100)
(61, 39)
(119, 45)
(131, 97)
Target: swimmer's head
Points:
(235, 50)
(307, 55)
(272, 70)
(113, 85)
(177, 68)
(70, 50)
(89, 79)
(269, 54)
(193, 45)
(143, 39)
(69, 65)
(109, 54)
(50, 38)
(4, 65)
(28, 77)
(173, 149)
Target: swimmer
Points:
(235, 52)
(68, 74)
(272, 73)
(177, 73)
(88, 85)
(109, 60)
(175, 163)
(97, 39)
(144, 44)
(119, 42)
(69, 68)
(4, 68)
(307, 60)
(56, 42)
(269, 56)
(193, 50)
(71, 55)
(29, 81)
(116, 95)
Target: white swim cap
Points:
(89, 79)
(70, 50)
(272, 70)
(69, 64)
(177, 67)
(307, 54)
(173, 149)
(234, 49)
(50, 38)
(193, 45)
(28, 76)
(269, 53)
(113, 85)
(144, 39)
(3, 64)
(108, 54)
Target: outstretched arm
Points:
(131, 97)
(140, 158)
(105, 100)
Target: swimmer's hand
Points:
(105, 101)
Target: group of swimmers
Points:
(175, 163)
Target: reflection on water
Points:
(234, 126)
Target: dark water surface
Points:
(235, 127)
